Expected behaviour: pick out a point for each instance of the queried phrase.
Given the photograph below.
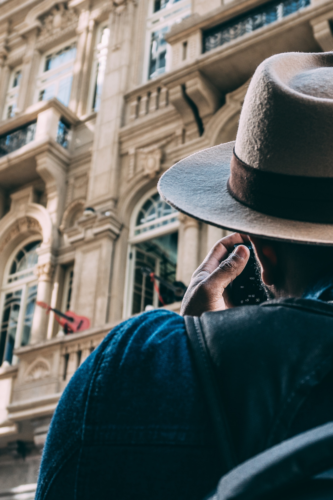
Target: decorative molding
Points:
(45, 271)
(59, 20)
(70, 209)
(149, 161)
(188, 221)
(39, 369)
(23, 225)
(120, 5)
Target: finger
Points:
(233, 239)
(229, 269)
(219, 252)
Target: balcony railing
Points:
(16, 139)
(147, 101)
(251, 21)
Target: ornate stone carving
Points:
(38, 370)
(188, 221)
(45, 271)
(149, 161)
(56, 21)
(23, 225)
(120, 5)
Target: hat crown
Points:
(286, 124)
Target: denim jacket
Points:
(133, 423)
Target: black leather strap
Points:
(206, 375)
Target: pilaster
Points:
(31, 62)
(83, 91)
(93, 266)
(103, 182)
(81, 55)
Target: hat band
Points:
(292, 197)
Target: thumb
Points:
(230, 268)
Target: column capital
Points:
(45, 271)
(188, 221)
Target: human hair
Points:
(301, 266)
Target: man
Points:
(134, 421)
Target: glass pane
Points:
(157, 255)
(158, 53)
(17, 79)
(143, 288)
(99, 83)
(61, 57)
(163, 4)
(154, 213)
(47, 93)
(24, 262)
(105, 36)
(69, 291)
(9, 325)
(28, 315)
(64, 90)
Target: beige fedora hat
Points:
(276, 179)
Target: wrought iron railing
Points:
(63, 134)
(251, 21)
(16, 139)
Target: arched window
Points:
(153, 248)
(18, 299)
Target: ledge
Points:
(32, 113)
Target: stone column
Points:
(81, 52)
(188, 253)
(214, 234)
(104, 174)
(53, 303)
(39, 325)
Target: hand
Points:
(207, 290)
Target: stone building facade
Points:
(97, 99)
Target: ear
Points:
(267, 258)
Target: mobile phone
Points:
(247, 288)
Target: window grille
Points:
(18, 300)
(153, 246)
(251, 21)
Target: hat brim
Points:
(197, 186)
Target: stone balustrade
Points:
(146, 100)
(43, 372)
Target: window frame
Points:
(68, 268)
(23, 284)
(11, 98)
(153, 24)
(134, 239)
(41, 72)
